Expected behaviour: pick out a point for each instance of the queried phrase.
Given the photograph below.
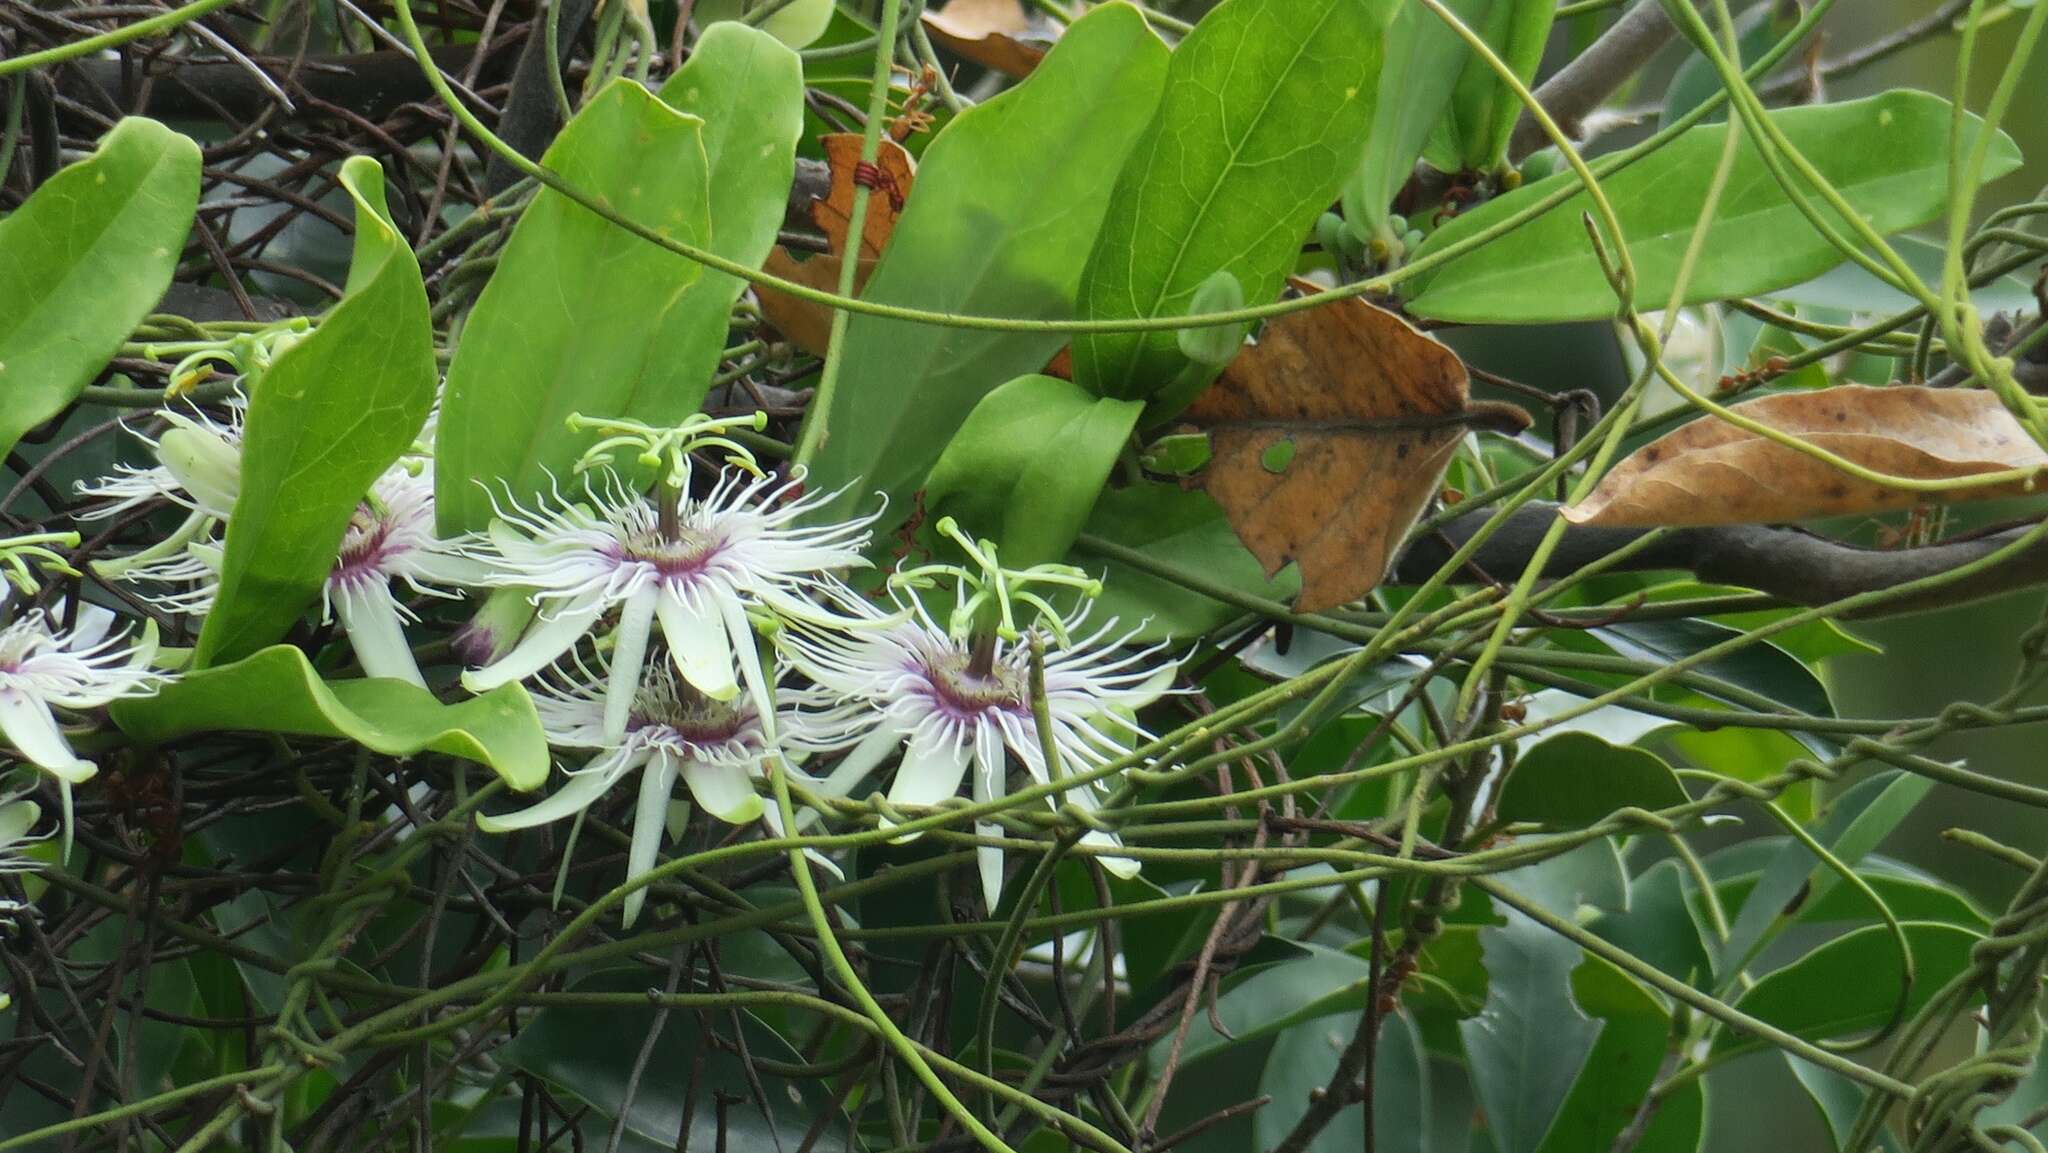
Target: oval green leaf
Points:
(1576, 779)
(325, 420)
(83, 261)
(277, 690)
(1887, 155)
(1265, 112)
(1851, 984)
(1007, 201)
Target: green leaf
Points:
(1659, 925)
(83, 261)
(1763, 668)
(1887, 155)
(798, 23)
(325, 420)
(1530, 1039)
(1851, 984)
(1838, 1099)
(1623, 1064)
(1484, 109)
(1423, 61)
(1183, 529)
(1007, 200)
(1855, 824)
(1266, 111)
(1305, 1057)
(1908, 899)
(590, 1052)
(1850, 287)
(582, 316)
(1267, 999)
(1576, 779)
(1696, 80)
(278, 691)
(1028, 464)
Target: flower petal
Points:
(550, 638)
(369, 614)
(741, 633)
(657, 782)
(724, 790)
(699, 645)
(629, 660)
(579, 792)
(33, 732)
(988, 857)
(930, 773)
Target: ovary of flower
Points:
(391, 538)
(697, 571)
(716, 748)
(927, 698)
(43, 667)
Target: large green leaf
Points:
(83, 261)
(1529, 1041)
(1623, 1064)
(1266, 111)
(1855, 824)
(591, 1052)
(1183, 529)
(278, 691)
(1851, 984)
(1484, 110)
(1008, 198)
(1028, 464)
(582, 316)
(1575, 779)
(1838, 1099)
(325, 420)
(1423, 61)
(1304, 1058)
(1888, 155)
(1266, 999)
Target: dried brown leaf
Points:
(833, 214)
(1712, 472)
(993, 33)
(1328, 437)
(807, 325)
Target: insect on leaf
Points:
(1327, 438)
(1713, 472)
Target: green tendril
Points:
(669, 448)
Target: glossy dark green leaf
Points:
(1027, 465)
(1907, 898)
(325, 420)
(589, 1052)
(1183, 529)
(1851, 984)
(1888, 155)
(1266, 1000)
(1576, 779)
(1304, 1058)
(278, 691)
(1008, 199)
(581, 316)
(83, 261)
(1762, 668)
(1855, 824)
(1265, 113)
(1530, 1039)
(1634, 1035)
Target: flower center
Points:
(667, 700)
(685, 553)
(960, 687)
(363, 545)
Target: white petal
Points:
(988, 857)
(1125, 867)
(370, 617)
(16, 820)
(699, 645)
(861, 761)
(657, 781)
(629, 660)
(551, 637)
(579, 792)
(930, 772)
(741, 632)
(724, 790)
(33, 732)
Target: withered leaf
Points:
(993, 33)
(833, 214)
(807, 325)
(1328, 437)
(1712, 472)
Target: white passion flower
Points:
(17, 817)
(43, 667)
(199, 467)
(695, 565)
(391, 538)
(673, 732)
(950, 703)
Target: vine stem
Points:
(119, 36)
(828, 944)
(818, 427)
